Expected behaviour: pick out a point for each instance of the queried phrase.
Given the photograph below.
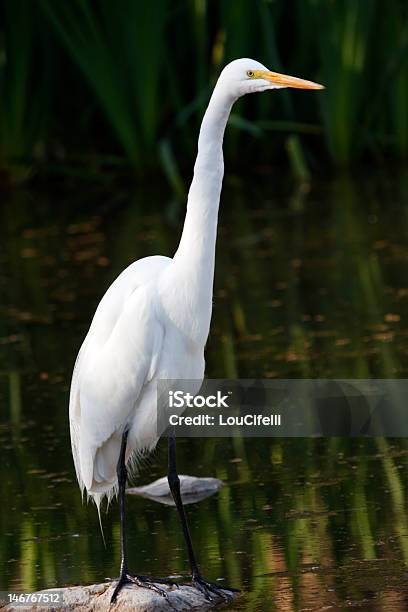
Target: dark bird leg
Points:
(122, 478)
(210, 590)
(125, 577)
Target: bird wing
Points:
(118, 357)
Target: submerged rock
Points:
(96, 597)
(192, 488)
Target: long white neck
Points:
(195, 256)
(200, 226)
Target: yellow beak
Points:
(285, 80)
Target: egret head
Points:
(244, 76)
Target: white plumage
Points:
(132, 342)
(153, 321)
(117, 359)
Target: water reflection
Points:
(310, 285)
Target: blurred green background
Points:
(100, 105)
(310, 283)
(108, 87)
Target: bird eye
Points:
(250, 74)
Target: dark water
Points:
(312, 283)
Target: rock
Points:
(192, 488)
(96, 597)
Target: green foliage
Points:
(397, 25)
(119, 49)
(127, 82)
(20, 119)
(344, 52)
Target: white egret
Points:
(153, 323)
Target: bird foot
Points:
(213, 591)
(144, 582)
